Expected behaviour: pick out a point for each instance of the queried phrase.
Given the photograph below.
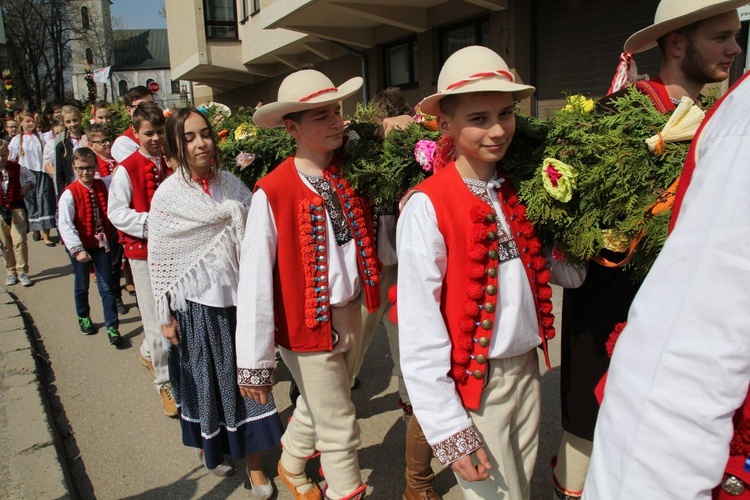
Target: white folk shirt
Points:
(682, 365)
(216, 295)
(423, 336)
(255, 314)
(33, 149)
(121, 215)
(123, 147)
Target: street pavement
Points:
(116, 442)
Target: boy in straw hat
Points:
(473, 293)
(308, 261)
(697, 43)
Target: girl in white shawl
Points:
(196, 225)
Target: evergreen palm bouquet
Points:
(598, 187)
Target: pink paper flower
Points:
(244, 160)
(424, 153)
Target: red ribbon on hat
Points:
(479, 76)
(319, 92)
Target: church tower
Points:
(91, 45)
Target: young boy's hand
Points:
(465, 467)
(83, 256)
(256, 393)
(171, 332)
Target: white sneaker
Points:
(25, 280)
(11, 280)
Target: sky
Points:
(138, 14)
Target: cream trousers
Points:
(324, 418)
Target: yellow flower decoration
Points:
(614, 241)
(559, 179)
(579, 101)
(244, 131)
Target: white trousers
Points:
(508, 421)
(152, 347)
(324, 418)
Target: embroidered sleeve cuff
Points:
(255, 376)
(456, 446)
(74, 251)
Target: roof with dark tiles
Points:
(140, 49)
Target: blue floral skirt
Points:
(202, 369)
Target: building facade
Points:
(241, 49)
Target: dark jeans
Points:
(115, 257)
(103, 269)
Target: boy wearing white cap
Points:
(698, 46)
(473, 292)
(308, 261)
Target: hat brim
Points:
(646, 38)
(272, 115)
(431, 105)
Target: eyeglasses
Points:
(85, 169)
(102, 142)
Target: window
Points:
(400, 61)
(220, 18)
(85, 21)
(89, 56)
(256, 7)
(122, 86)
(458, 36)
(175, 86)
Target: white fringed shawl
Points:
(186, 225)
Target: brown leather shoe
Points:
(313, 494)
(148, 364)
(410, 494)
(167, 400)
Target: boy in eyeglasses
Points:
(99, 140)
(88, 234)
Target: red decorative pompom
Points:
(520, 211)
(545, 307)
(478, 234)
(317, 201)
(544, 292)
(613, 336)
(392, 294)
(467, 326)
(465, 342)
(475, 271)
(527, 229)
(478, 254)
(512, 200)
(150, 176)
(543, 277)
(458, 373)
(471, 309)
(549, 333)
(535, 247)
(475, 291)
(538, 263)
(375, 279)
(151, 184)
(460, 356)
(309, 281)
(478, 213)
(548, 320)
(311, 323)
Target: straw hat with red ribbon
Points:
(300, 91)
(672, 15)
(474, 69)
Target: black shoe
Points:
(114, 336)
(36, 236)
(121, 309)
(86, 326)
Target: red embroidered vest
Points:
(300, 276)
(84, 217)
(657, 92)
(144, 178)
(105, 166)
(12, 197)
(469, 294)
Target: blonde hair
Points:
(67, 109)
(20, 134)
